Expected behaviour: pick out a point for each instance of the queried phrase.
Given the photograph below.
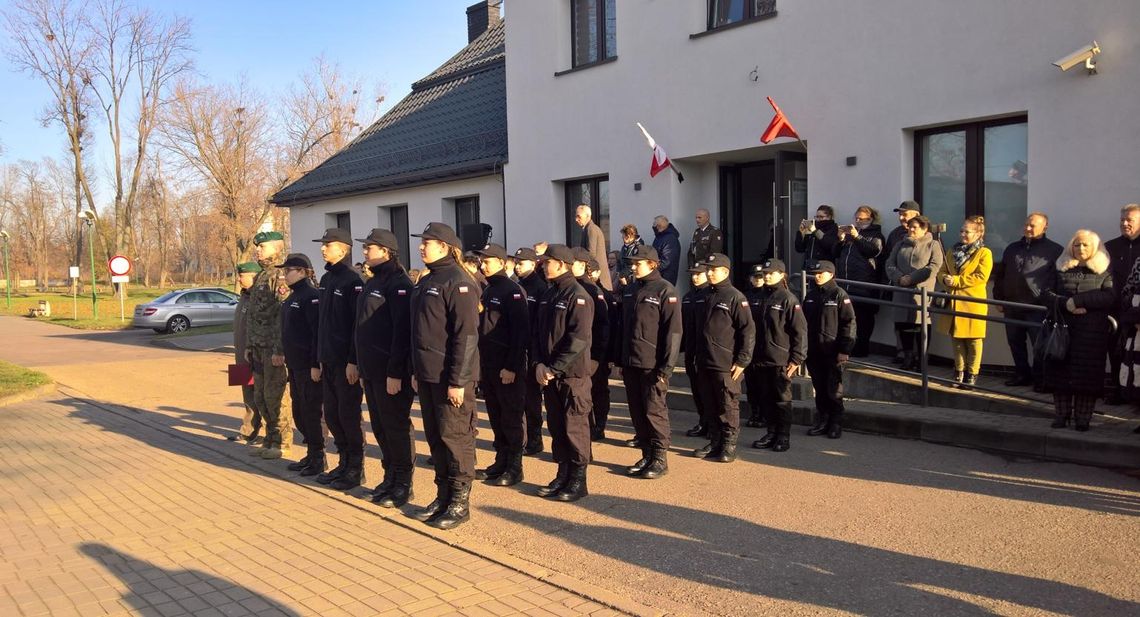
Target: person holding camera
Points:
(818, 236)
(913, 263)
(857, 255)
(965, 271)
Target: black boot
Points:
(756, 420)
(834, 427)
(494, 470)
(820, 427)
(353, 474)
(969, 380)
(638, 467)
(395, 497)
(299, 465)
(442, 496)
(458, 509)
(633, 443)
(558, 482)
(697, 431)
(765, 442)
(386, 484)
(727, 450)
(533, 446)
(711, 449)
(1063, 408)
(336, 472)
(512, 472)
(316, 465)
(658, 465)
(575, 487)
(783, 443)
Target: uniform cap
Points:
(335, 234)
(773, 265)
(560, 252)
(718, 260)
(757, 270)
(643, 252)
(581, 254)
(297, 260)
(249, 266)
(381, 237)
(526, 254)
(821, 266)
(909, 204)
(593, 264)
(267, 236)
(493, 250)
(702, 268)
(440, 232)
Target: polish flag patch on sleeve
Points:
(462, 289)
(579, 301)
(847, 300)
(744, 303)
(359, 288)
(401, 292)
(316, 300)
(672, 299)
(516, 296)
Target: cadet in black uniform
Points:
(504, 334)
(445, 363)
(300, 316)
(382, 342)
(831, 337)
(600, 380)
(781, 345)
(692, 305)
(752, 373)
(724, 348)
(340, 287)
(651, 339)
(562, 355)
(534, 284)
(599, 332)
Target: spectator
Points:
(630, 240)
(707, 239)
(667, 241)
(913, 263)
(1123, 251)
(818, 237)
(1129, 377)
(1082, 298)
(1027, 268)
(857, 257)
(906, 211)
(593, 240)
(965, 272)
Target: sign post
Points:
(120, 267)
(73, 272)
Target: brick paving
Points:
(104, 514)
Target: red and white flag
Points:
(779, 127)
(660, 160)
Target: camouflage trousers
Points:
(268, 389)
(251, 420)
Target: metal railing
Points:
(926, 309)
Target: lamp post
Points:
(88, 217)
(7, 282)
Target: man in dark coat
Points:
(1028, 267)
(534, 284)
(706, 240)
(593, 240)
(667, 241)
(1123, 251)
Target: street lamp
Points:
(7, 283)
(88, 217)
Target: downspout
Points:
(503, 182)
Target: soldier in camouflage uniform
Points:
(251, 422)
(264, 349)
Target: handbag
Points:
(1053, 339)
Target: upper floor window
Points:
(593, 31)
(726, 12)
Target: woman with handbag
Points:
(1080, 302)
(913, 263)
(965, 272)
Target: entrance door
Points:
(789, 209)
(746, 215)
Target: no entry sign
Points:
(119, 265)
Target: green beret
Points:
(266, 236)
(249, 266)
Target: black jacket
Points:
(668, 245)
(535, 286)
(600, 331)
(1027, 269)
(692, 313)
(857, 259)
(781, 330)
(504, 328)
(300, 318)
(651, 325)
(1123, 253)
(727, 334)
(819, 244)
(340, 287)
(830, 322)
(613, 314)
(1091, 287)
(563, 333)
(445, 325)
(383, 322)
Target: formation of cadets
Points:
(531, 330)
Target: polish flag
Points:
(779, 127)
(660, 160)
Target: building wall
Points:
(855, 81)
(426, 204)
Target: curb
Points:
(28, 395)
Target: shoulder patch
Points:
(744, 303)
(796, 307)
(463, 289)
(516, 296)
(316, 300)
(401, 292)
(847, 300)
(359, 288)
(581, 301)
(672, 299)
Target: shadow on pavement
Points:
(158, 591)
(736, 554)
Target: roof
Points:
(453, 125)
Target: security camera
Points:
(1083, 55)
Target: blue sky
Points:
(387, 42)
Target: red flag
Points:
(779, 127)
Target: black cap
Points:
(593, 264)
(773, 265)
(702, 268)
(821, 266)
(526, 254)
(718, 260)
(441, 232)
(297, 260)
(560, 252)
(581, 254)
(642, 251)
(336, 234)
(381, 237)
(493, 250)
(757, 270)
(909, 204)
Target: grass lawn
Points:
(15, 379)
(83, 318)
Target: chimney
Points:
(482, 16)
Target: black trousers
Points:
(864, 327)
(698, 393)
(754, 389)
(342, 410)
(450, 433)
(391, 420)
(568, 416)
(647, 407)
(307, 395)
(1016, 336)
(776, 403)
(506, 408)
(533, 407)
(827, 379)
(600, 396)
(721, 391)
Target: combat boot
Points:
(317, 464)
(755, 420)
(512, 473)
(575, 488)
(765, 442)
(442, 496)
(638, 467)
(299, 465)
(709, 450)
(353, 474)
(494, 470)
(336, 472)
(386, 484)
(271, 453)
(458, 509)
(658, 465)
(783, 443)
(728, 450)
(697, 431)
(395, 497)
(820, 427)
(534, 446)
(557, 483)
(834, 428)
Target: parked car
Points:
(178, 311)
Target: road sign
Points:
(73, 272)
(119, 265)
(120, 278)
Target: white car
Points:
(178, 311)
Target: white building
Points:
(949, 103)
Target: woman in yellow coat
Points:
(965, 272)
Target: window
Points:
(593, 35)
(343, 221)
(466, 212)
(727, 12)
(193, 297)
(975, 169)
(216, 297)
(398, 224)
(593, 192)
